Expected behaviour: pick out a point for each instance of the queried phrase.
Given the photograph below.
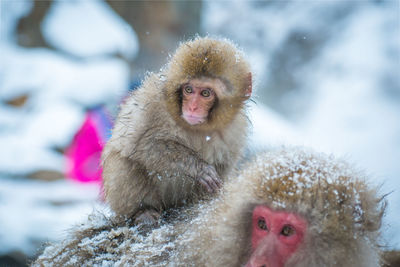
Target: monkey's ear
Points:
(249, 86)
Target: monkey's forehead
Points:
(208, 57)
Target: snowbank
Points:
(88, 28)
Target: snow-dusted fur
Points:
(343, 213)
(154, 158)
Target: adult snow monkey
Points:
(291, 207)
(178, 136)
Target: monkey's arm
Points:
(176, 160)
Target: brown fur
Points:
(391, 258)
(343, 213)
(154, 158)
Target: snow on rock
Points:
(33, 211)
(88, 28)
(49, 76)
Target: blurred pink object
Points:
(83, 155)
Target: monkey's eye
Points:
(188, 89)
(262, 224)
(287, 230)
(206, 92)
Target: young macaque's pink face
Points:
(275, 236)
(198, 97)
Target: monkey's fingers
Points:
(210, 183)
(217, 183)
(214, 176)
(205, 184)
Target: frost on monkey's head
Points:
(213, 58)
(329, 193)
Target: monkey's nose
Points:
(192, 108)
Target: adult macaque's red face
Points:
(275, 236)
(198, 97)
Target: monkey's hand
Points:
(209, 178)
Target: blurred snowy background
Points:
(327, 75)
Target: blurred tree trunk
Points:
(160, 25)
(28, 29)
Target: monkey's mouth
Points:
(193, 120)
